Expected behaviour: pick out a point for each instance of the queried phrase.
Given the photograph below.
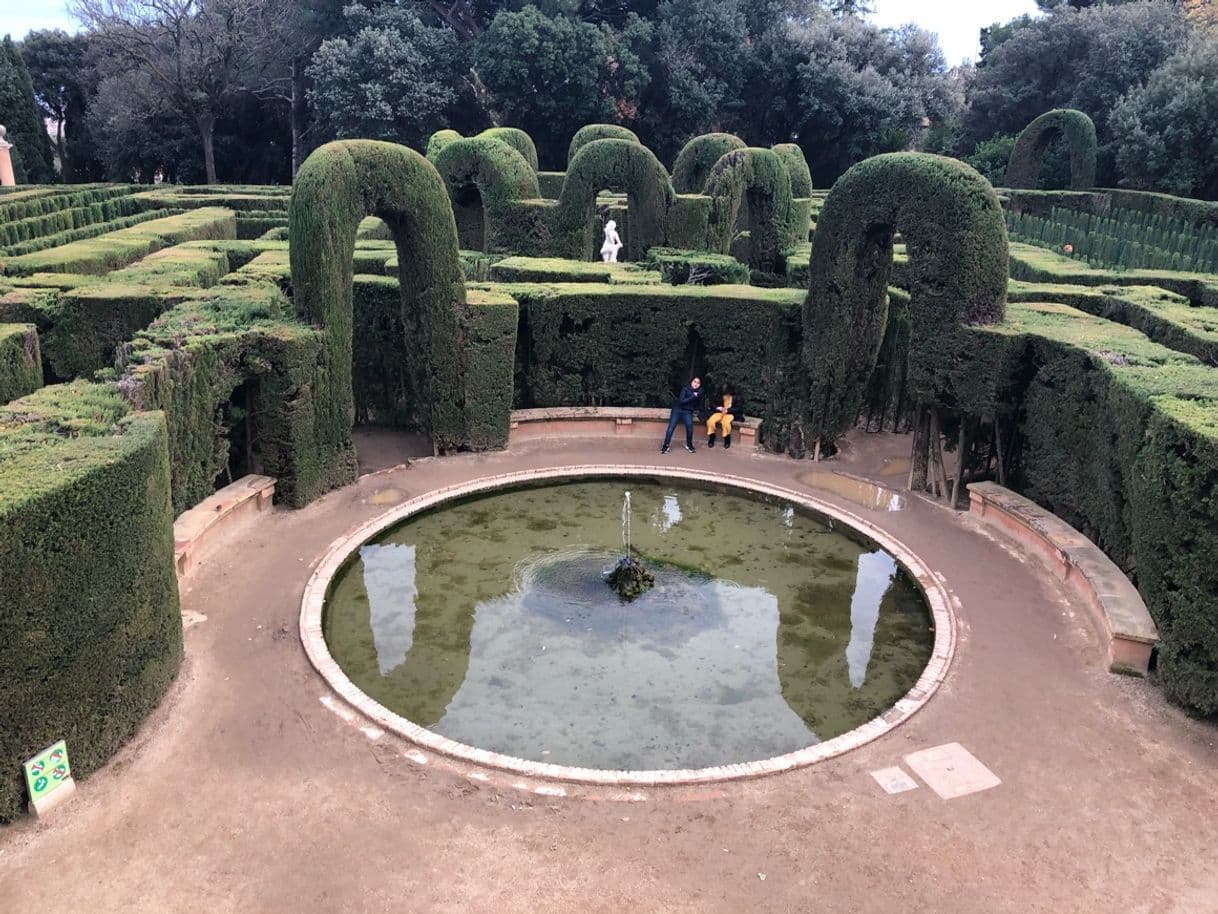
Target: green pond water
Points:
(489, 622)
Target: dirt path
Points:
(247, 792)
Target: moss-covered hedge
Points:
(1023, 168)
(592, 132)
(90, 631)
(20, 361)
(697, 268)
(698, 157)
(953, 227)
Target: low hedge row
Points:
(65, 220)
(20, 361)
(697, 268)
(1163, 316)
(41, 201)
(90, 629)
(88, 231)
(117, 249)
(553, 269)
(238, 201)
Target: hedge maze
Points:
(1023, 168)
(156, 344)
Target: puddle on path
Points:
(867, 494)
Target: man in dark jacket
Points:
(687, 403)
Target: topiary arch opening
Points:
(759, 177)
(485, 177)
(697, 157)
(1027, 155)
(336, 187)
(593, 132)
(953, 227)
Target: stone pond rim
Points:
(338, 555)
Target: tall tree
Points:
(1071, 58)
(23, 118)
(552, 75)
(201, 53)
(389, 78)
(1166, 131)
(62, 78)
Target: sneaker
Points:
(664, 449)
(690, 448)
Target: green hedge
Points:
(698, 268)
(1121, 440)
(90, 630)
(698, 157)
(26, 204)
(85, 231)
(592, 132)
(439, 140)
(952, 223)
(20, 361)
(622, 166)
(239, 200)
(490, 344)
(502, 178)
(190, 361)
(65, 220)
(760, 177)
(797, 169)
(337, 186)
(549, 184)
(1023, 168)
(517, 139)
(593, 344)
(97, 256)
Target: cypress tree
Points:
(32, 162)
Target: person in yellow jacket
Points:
(721, 415)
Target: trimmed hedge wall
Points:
(30, 202)
(593, 344)
(953, 226)
(698, 157)
(20, 361)
(337, 186)
(502, 179)
(90, 630)
(697, 268)
(1121, 440)
(592, 132)
(1023, 168)
(797, 168)
(553, 269)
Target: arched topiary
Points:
(591, 132)
(517, 139)
(618, 165)
(1023, 168)
(761, 176)
(954, 230)
(336, 187)
(698, 157)
(439, 140)
(501, 177)
(797, 168)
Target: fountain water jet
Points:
(629, 578)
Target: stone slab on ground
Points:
(951, 771)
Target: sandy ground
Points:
(246, 791)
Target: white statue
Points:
(613, 243)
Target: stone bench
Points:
(247, 497)
(611, 421)
(1113, 602)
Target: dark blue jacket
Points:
(689, 399)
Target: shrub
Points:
(1023, 169)
(760, 176)
(698, 157)
(90, 631)
(617, 165)
(20, 361)
(697, 268)
(501, 178)
(439, 140)
(591, 132)
(952, 223)
(797, 168)
(517, 139)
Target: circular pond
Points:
(488, 621)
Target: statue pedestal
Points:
(7, 179)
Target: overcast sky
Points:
(957, 22)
